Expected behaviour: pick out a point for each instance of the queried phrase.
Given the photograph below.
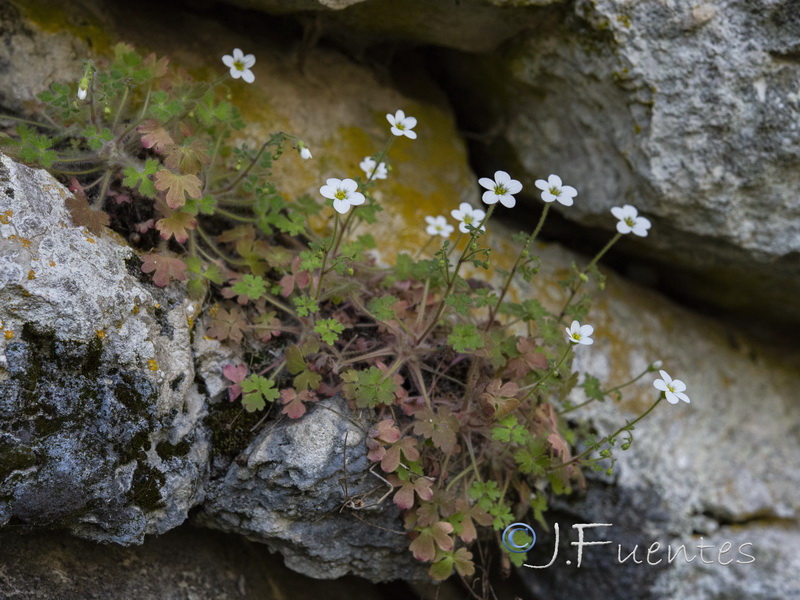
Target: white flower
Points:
(305, 153)
(402, 125)
(466, 215)
(553, 189)
(579, 334)
(343, 193)
(500, 189)
(82, 93)
(629, 221)
(672, 388)
(240, 65)
(368, 166)
(439, 226)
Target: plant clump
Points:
(464, 394)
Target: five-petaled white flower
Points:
(466, 215)
(439, 226)
(553, 189)
(579, 334)
(500, 189)
(344, 194)
(402, 125)
(672, 388)
(630, 221)
(240, 65)
(368, 166)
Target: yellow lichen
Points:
(9, 334)
(31, 275)
(152, 365)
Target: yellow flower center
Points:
(238, 65)
(555, 191)
(500, 190)
(341, 195)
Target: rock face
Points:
(85, 416)
(184, 563)
(288, 490)
(721, 470)
(100, 420)
(687, 110)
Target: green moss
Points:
(146, 486)
(135, 449)
(230, 428)
(14, 458)
(127, 393)
(166, 450)
(93, 358)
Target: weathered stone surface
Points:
(688, 110)
(722, 467)
(287, 489)
(469, 25)
(186, 563)
(100, 420)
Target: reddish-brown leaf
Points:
(164, 268)
(178, 187)
(176, 225)
(153, 135)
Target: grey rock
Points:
(185, 564)
(469, 25)
(688, 110)
(101, 422)
(29, 57)
(287, 490)
(722, 468)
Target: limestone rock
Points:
(186, 563)
(687, 110)
(722, 468)
(100, 418)
(289, 490)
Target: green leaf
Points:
(460, 303)
(485, 493)
(465, 337)
(141, 179)
(306, 305)
(368, 387)
(252, 286)
(382, 307)
(329, 330)
(591, 387)
(258, 391)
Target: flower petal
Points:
(554, 181)
(410, 122)
(489, 197)
(514, 187)
(412, 135)
(227, 60)
(486, 182)
(501, 177)
(341, 206)
(248, 76)
(508, 201)
(660, 385)
(541, 184)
